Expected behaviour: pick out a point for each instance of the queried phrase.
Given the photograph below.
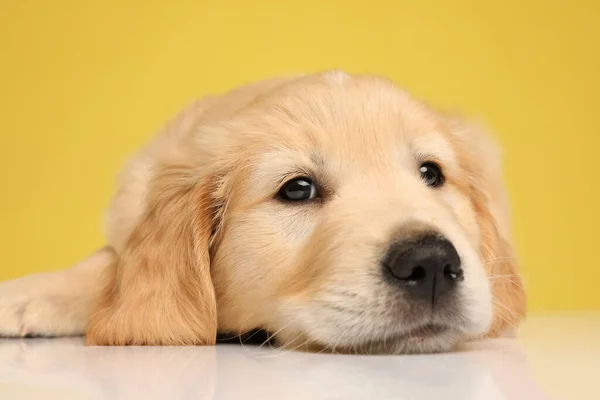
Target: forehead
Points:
(351, 122)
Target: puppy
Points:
(333, 211)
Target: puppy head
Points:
(335, 212)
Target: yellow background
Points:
(84, 83)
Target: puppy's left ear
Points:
(159, 290)
(482, 160)
(499, 258)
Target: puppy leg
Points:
(53, 304)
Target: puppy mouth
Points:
(426, 338)
(422, 333)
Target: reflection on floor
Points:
(555, 357)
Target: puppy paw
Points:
(11, 313)
(39, 305)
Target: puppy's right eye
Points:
(298, 189)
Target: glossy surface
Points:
(555, 357)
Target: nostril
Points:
(410, 275)
(417, 274)
(453, 274)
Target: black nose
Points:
(427, 267)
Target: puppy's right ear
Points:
(159, 290)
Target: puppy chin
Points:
(441, 342)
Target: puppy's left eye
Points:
(298, 189)
(432, 174)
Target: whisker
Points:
(283, 350)
(503, 276)
(271, 336)
(498, 259)
(514, 318)
(514, 281)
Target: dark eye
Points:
(431, 174)
(298, 189)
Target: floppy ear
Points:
(159, 290)
(500, 261)
(489, 199)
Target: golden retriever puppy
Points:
(333, 211)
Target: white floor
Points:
(555, 357)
